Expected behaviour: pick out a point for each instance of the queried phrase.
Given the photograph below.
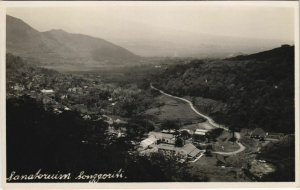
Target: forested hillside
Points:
(257, 89)
(45, 135)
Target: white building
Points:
(47, 91)
(201, 132)
(147, 142)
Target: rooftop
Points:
(201, 132)
(47, 91)
(160, 135)
(167, 147)
(148, 141)
(258, 131)
(191, 150)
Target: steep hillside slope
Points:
(57, 47)
(258, 89)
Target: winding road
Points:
(242, 147)
(210, 120)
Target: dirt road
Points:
(210, 120)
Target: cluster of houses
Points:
(165, 141)
(260, 134)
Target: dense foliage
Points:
(85, 92)
(282, 155)
(38, 137)
(258, 90)
(67, 143)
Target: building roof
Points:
(159, 135)
(148, 141)
(188, 148)
(171, 131)
(275, 134)
(258, 132)
(194, 152)
(167, 147)
(201, 132)
(120, 121)
(47, 91)
(191, 150)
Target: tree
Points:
(232, 131)
(179, 142)
(215, 133)
(137, 127)
(185, 135)
(170, 124)
(208, 152)
(160, 167)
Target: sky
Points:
(121, 23)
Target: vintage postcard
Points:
(118, 94)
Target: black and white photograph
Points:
(151, 92)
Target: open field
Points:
(223, 144)
(166, 108)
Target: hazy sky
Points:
(127, 22)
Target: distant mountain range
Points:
(57, 47)
(181, 43)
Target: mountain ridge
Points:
(284, 51)
(58, 47)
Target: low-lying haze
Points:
(171, 30)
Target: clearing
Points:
(166, 108)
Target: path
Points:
(210, 120)
(242, 147)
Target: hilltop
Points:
(60, 49)
(285, 51)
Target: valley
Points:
(127, 109)
(80, 103)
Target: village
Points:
(179, 130)
(189, 142)
(58, 92)
(191, 145)
(168, 141)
